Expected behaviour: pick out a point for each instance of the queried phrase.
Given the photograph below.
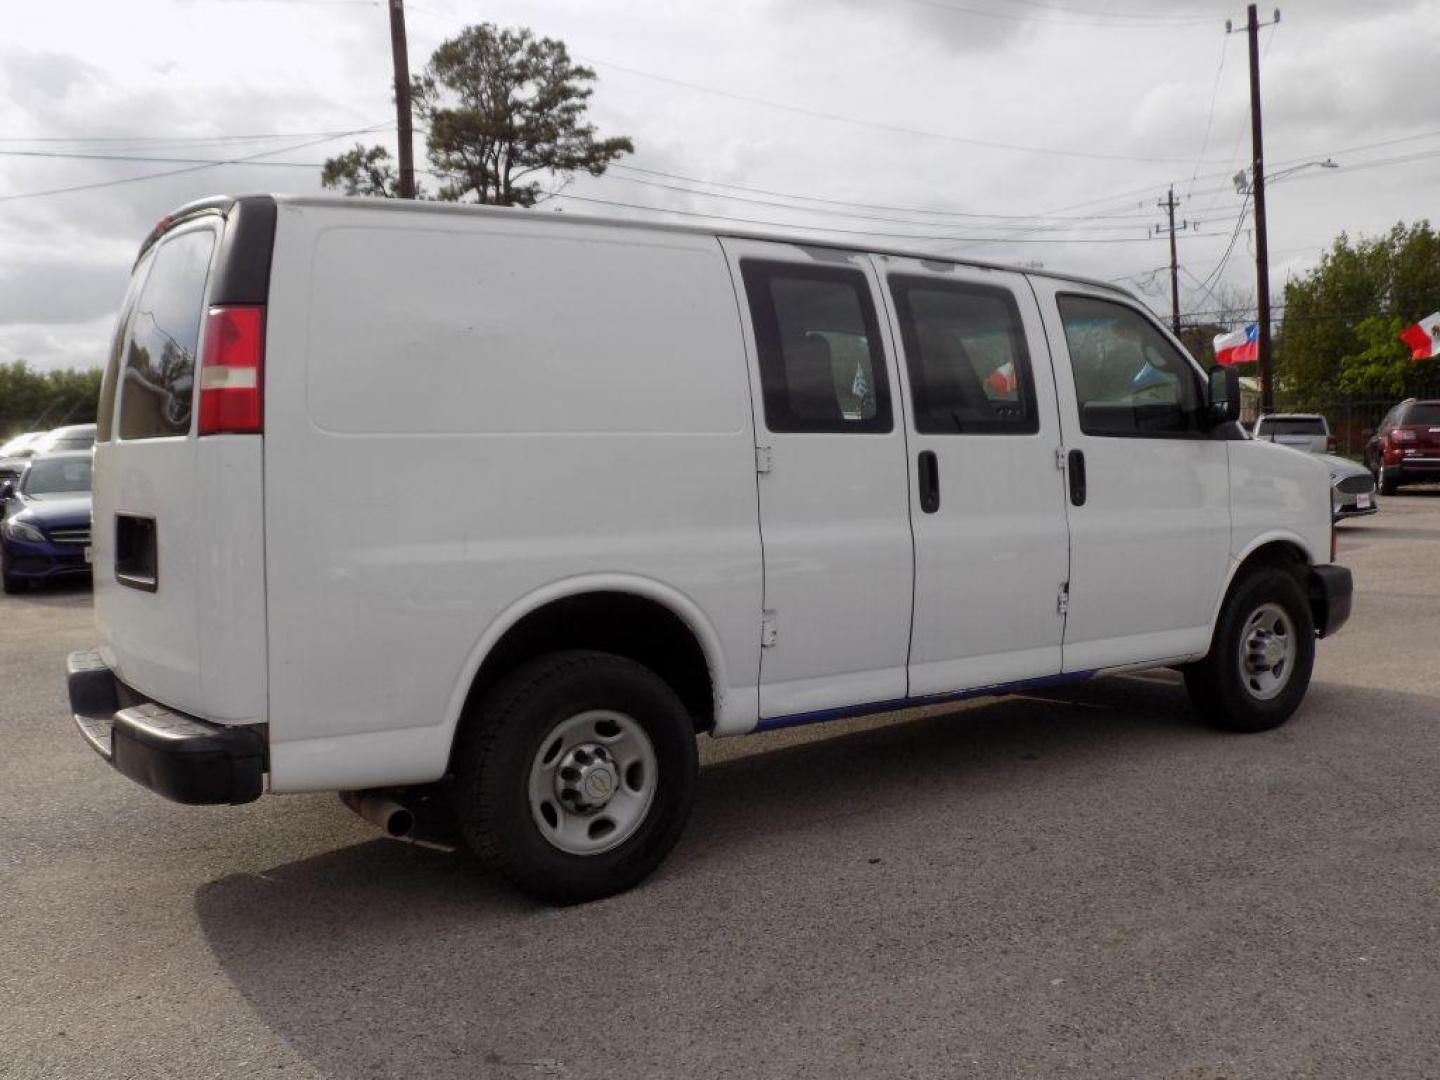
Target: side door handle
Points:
(929, 481)
(1075, 469)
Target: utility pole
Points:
(1169, 204)
(400, 54)
(1262, 251)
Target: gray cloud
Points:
(60, 292)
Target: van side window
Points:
(821, 363)
(158, 365)
(966, 354)
(1129, 380)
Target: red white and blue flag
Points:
(1238, 347)
(1423, 338)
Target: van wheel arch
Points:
(620, 623)
(1286, 555)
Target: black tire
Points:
(1387, 481)
(489, 782)
(1218, 685)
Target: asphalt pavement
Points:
(1084, 884)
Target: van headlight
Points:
(19, 530)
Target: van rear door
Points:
(178, 532)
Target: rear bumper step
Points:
(179, 756)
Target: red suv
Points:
(1406, 446)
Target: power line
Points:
(983, 222)
(67, 155)
(875, 125)
(862, 205)
(858, 232)
(1210, 114)
(1118, 22)
(177, 172)
(177, 140)
(1214, 275)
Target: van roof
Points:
(425, 206)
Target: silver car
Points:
(1352, 488)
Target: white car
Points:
(393, 494)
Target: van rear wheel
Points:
(574, 777)
(1261, 657)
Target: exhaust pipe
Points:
(378, 808)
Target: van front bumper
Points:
(1331, 590)
(176, 755)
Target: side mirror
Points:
(1367, 433)
(1224, 392)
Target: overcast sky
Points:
(1038, 127)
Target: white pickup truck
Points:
(1301, 431)
(397, 498)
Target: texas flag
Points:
(1423, 338)
(1238, 347)
(1002, 379)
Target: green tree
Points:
(503, 109)
(362, 171)
(31, 400)
(1382, 364)
(1338, 317)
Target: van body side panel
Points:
(461, 413)
(1276, 489)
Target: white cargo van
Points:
(395, 495)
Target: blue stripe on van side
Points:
(772, 723)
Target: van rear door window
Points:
(158, 366)
(821, 364)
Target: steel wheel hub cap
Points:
(585, 779)
(1267, 651)
(592, 781)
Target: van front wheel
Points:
(575, 776)
(1260, 658)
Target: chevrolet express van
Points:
(401, 497)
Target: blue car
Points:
(45, 521)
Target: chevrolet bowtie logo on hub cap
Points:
(599, 785)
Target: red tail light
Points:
(231, 371)
(1331, 443)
